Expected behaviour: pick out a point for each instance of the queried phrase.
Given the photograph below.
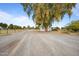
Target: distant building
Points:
(1, 28)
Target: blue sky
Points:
(13, 13)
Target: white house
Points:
(1, 28)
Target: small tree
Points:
(3, 25)
(10, 26)
(28, 27)
(24, 27)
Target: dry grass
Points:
(8, 32)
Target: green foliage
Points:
(24, 27)
(3, 25)
(10, 26)
(45, 14)
(55, 28)
(73, 26)
(28, 27)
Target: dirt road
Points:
(31, 43)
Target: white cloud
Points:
(23, 20)
(4, 16)
(10, 19)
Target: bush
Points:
(55, 28)
(73, 26)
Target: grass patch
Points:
(8, 32)
(69, 32)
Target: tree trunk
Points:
(46, 29)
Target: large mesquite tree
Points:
(44, 14)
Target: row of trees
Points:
(45, 14)
(11, 26)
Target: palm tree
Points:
(45, 14)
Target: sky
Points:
(13, 13)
